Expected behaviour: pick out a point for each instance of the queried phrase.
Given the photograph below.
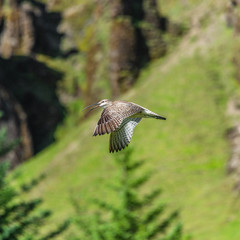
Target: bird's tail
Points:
(156, 116)
(160, 117)
(150, 114)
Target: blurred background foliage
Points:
(177, 57)
(135, 217)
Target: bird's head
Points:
(103, 103)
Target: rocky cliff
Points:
(90, 51)
(29, 103)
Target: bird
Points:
(120, 118)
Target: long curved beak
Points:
(95, 105)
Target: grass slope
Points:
(188, 151)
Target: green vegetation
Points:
(135, 217)
(189, 150)
(190, 86)
(20, 219)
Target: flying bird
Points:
(120, 118)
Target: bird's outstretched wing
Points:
(112, 117)
(107, 123)
(120, 138)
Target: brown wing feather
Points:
(113, 115)
(108, 129)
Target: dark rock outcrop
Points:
(122, 57)
(91, 66)
(14, 124)
(28, 95)
(29, 28)
(151, 30)
(34, 85)
(135, 39)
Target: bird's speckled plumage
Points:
(120, 118)
(113, 115)
(122, 136)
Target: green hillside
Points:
(189, 151)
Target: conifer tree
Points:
(136, 217)
(21, 220)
